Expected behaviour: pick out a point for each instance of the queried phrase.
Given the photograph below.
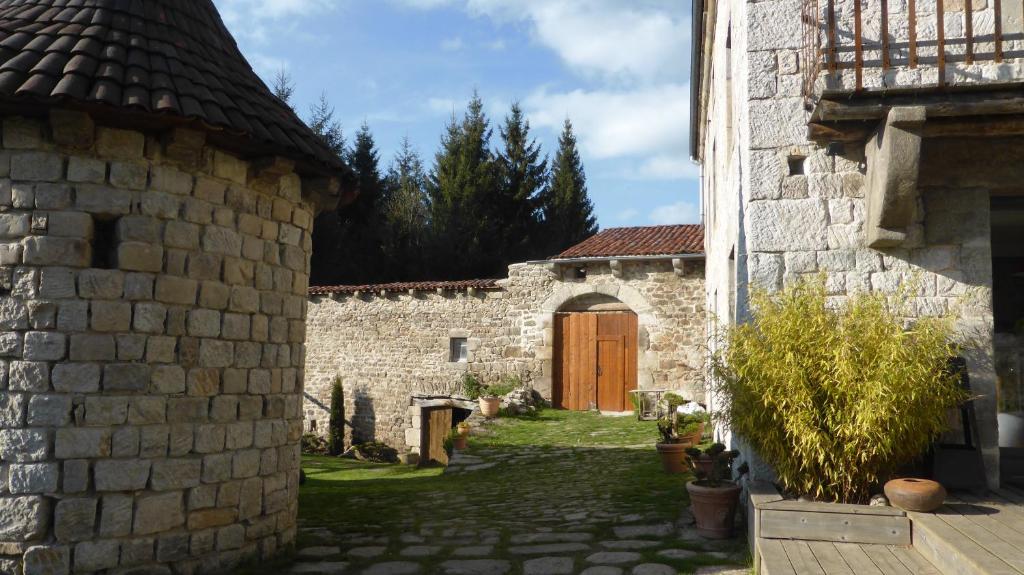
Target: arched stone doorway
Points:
(598, 345)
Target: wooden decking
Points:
(826, 558)
(970, 535)
(974, 534)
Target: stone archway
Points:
(561, 299)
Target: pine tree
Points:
(348, 245)
(406, 214)
(462, 190)
(323, 124)
(336, 421)
(284, 87)
(523, 176)
(568, 214)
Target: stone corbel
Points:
(266, 173)
(326, 193)
(679, 266)
(894, 157)
(616, 266)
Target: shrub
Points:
(471, 386)
(718, 471)
(836, 397)
(376, 452)
(336, 423)
(313, 444)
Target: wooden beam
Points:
(859, 131)
(937, 104)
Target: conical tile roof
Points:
(148, 62)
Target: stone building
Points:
(156, 204)
(875, 142)
(627, 303)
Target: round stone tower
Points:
(156, 205)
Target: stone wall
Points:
(385, 348)
(152, 297)
(795, 210)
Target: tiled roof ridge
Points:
(658, 240)
(160, 57)
(394, 287)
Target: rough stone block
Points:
(187, 409)
(96, 555)
(76, 377)
(140, 257)
(170, 179)
(101, 284)
(787, 225)
(140, 551)
(56, 251)
(47, 560)
(88, 170)
(129, 175)
(14, 225)
(204, 323)
(37, 166)
(230, 168)
(147, 410)
(120, 144)
(76, 476)
(157, 513)
(24, 518)
(111, 316)
(24, 444)
(29, 376)
(49, 410)
(116, 515)
(74, 519)
(126, 377)
(80, 443)
(12, 409)
(216, 353)
(104, 411)
(71, 128)
(176, 290)
(168, 379)
(172, 474)
(121, 474)
(33, 478)
(53, 196)
(102, 200)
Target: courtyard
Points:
(557, 492)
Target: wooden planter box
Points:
(776, 518)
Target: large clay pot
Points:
(714, 508)
(915, 494)
(459, 442)
(693, 438)
(489, 406)
(673, 456)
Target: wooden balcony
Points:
(870, 47)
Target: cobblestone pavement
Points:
(595, 510)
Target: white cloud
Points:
(677, 213)
(625, 42)
(452, 44)
(627, 215)
(496, 45)
(613, 123)
(668, 167)
(257, 20)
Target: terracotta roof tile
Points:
(640, 241)
(401, 287)
(172, 57)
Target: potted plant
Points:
(713, 495)
(490, 397)
(678, 431)
(459, 439)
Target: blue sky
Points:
(618, 68)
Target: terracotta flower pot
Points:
(459, 442)
(714, 508)
(915, 494)
(489, 406)
(693, 438)
(673, 456)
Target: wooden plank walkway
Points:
(792, 557)
(970, 535)
(975, 533)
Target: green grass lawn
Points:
(554, 469)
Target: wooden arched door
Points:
(594, 360)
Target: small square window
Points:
(458, 350)
(796, 165)
(580, 273)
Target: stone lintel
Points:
(894, 157)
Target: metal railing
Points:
(870, 37)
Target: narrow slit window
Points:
(458, 350)
(104, 243)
